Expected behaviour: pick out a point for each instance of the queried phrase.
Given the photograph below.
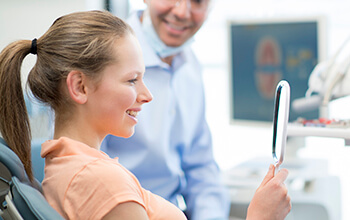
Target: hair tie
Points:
(33, 47)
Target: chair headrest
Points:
(12, 162)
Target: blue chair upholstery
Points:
(19, 198)
(38, 162)
(14, 164)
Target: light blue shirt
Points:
(171, 150)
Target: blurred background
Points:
(235, 141)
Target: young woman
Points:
(89, 70)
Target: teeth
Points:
(132, 113)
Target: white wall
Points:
(23, 19)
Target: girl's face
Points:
(120, 92)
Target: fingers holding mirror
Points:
(271, 200)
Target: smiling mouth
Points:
(132, 113)
(176, 27)
(176, 24)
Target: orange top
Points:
(84, 183)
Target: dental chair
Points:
(19, 198)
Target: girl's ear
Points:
(76, 84)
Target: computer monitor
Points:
(263, 52)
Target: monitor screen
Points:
(264, 52)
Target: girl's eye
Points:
(133, 81)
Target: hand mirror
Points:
(280, 122)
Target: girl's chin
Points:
(126, 134)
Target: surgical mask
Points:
(156, 43)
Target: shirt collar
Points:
(68, 147)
